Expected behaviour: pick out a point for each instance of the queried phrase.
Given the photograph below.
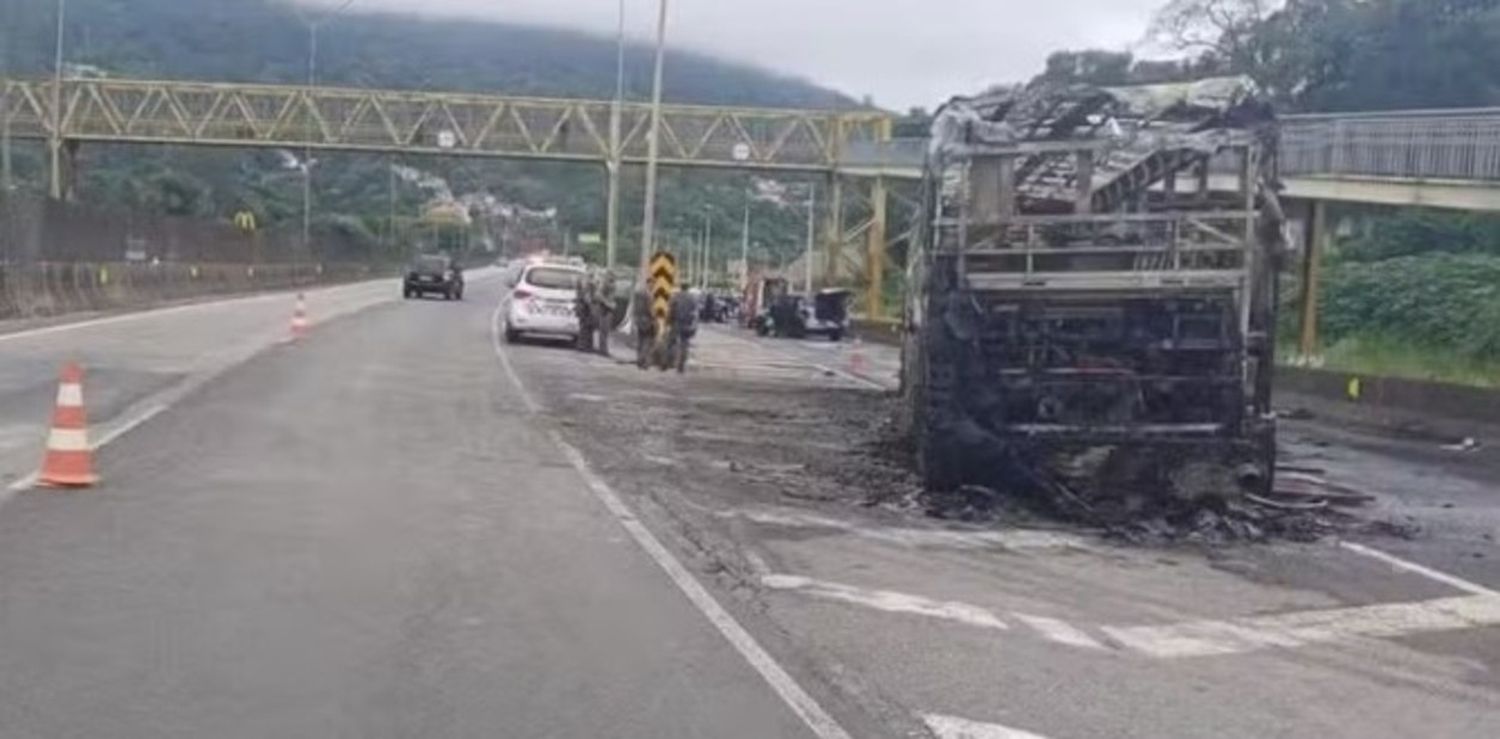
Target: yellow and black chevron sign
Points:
(663, 272)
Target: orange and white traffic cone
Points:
(69, 462)
(857, 358)
(299, 319)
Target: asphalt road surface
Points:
(402, 527)
(366, 534)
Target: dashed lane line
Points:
(1013, 540)
(1302, 628)
(1416, 569)
(953, 727)
(887, 600)
(1199, 638)
(1059, 631)
(818, 720)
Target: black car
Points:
(434, 273)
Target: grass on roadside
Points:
(1385, 357)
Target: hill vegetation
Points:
(267, 41)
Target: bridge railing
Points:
(1460, 145)
(428, 122)
(897, 155)
(1437, 144)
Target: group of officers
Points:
(595, 307)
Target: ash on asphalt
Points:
(710, 442)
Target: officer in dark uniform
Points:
(645, 325)
(603, 297)
(682, 326)
(583, 307)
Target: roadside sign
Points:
(663, 272)
(446, 140)
(741, 151)
(245, 221)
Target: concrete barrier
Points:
(46, 289)
(1388, 402)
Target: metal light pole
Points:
(812, 236)
(708, 245)
(653, 141)
(745, 246)
(55, 141)
(612, 207)
(5, 54)
(307, 162)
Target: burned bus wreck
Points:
(1088, 313)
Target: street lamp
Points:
(312, 80)
(812, 235)
(612, 207)
(55, 142)
(653, 140)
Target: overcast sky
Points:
(902, 52)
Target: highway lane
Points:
(135, 361)
(365, 535)
(769, 457)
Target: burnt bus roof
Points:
(1124, 126)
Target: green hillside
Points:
(262, 40)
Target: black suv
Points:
(434, 273)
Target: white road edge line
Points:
(817, 719)
(889, 601)
(953, 727)
(114, 432)
(138, 315)
(1416, 569)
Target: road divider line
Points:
(953, 727)
(818, 720)
(1059, 631)
(510, 370)
(1204, 638)
(887, 600)
(111, 433)
(1302, 628)
(1416, 569)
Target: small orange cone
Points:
(70, 461)
(857, 358)
(299, 319)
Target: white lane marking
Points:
(1059, 631)
(480, 274)
(1240, 635)
(113, 432)
(69, 395)
(813, 715)
(1414, 568)
(1191, 638)
(510, 370)
(125, 427)
(68, 440)
(953, 727)
(133, 316)
(1017, 540)
(25, 482)
(887, 600)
